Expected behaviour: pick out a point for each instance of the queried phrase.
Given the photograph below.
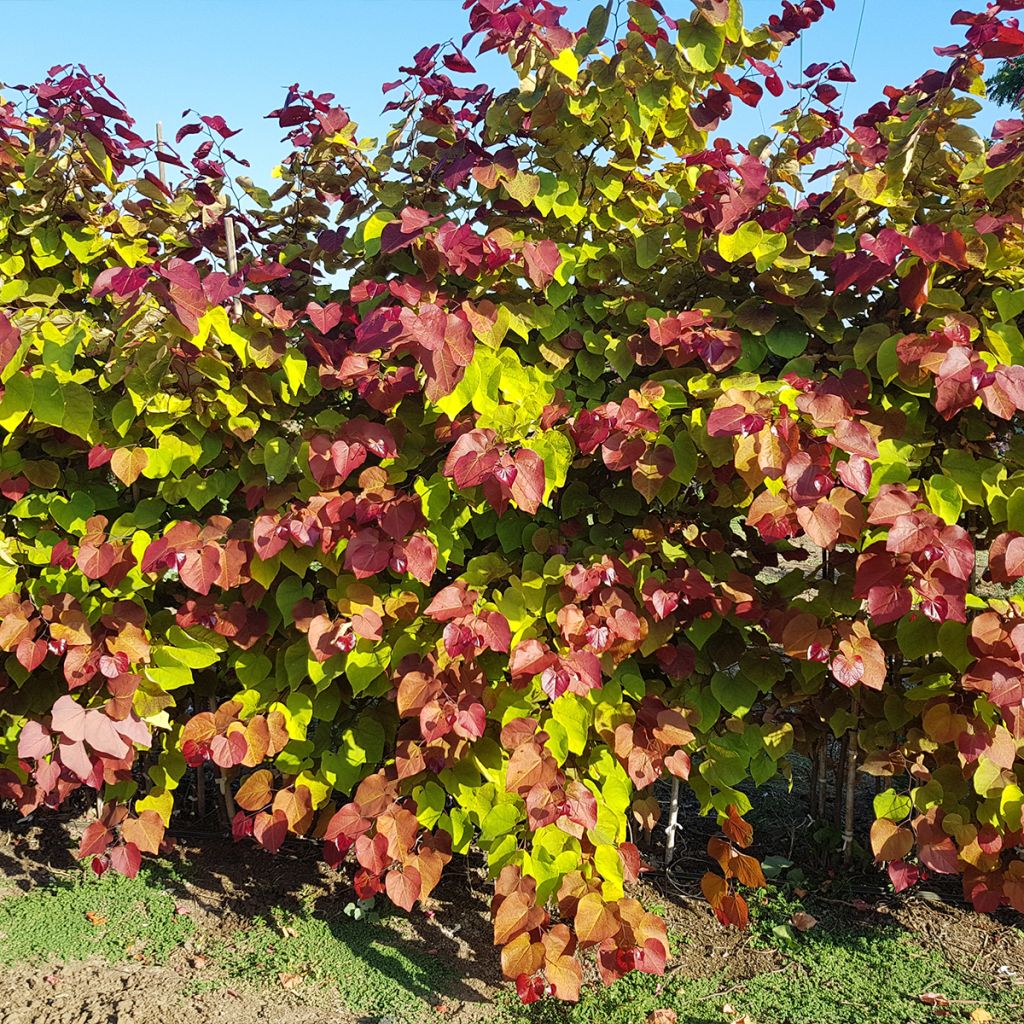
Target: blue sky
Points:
(235, 57)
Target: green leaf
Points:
(17, 400)
(734, 692)
(987, 776)
(295, 366)
(1009, 304)
(365, 664)
(499, 821)
(944, 497)
(649, 248)
(917, 635)
(702, 44)
(574, 715)
(953, 644)
(892, 804)
(786, 342)
(278, 458)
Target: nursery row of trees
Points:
(553, 446)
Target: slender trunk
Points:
(822, 777)
(815, 782)
(201, 792)
(229, 233)
(851, 787)
(226, 804)
(840, 775)
(673, 822)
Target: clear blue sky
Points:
(234, 57)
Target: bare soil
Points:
(224, 887)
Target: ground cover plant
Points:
(451, 517)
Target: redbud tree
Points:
(554, 445)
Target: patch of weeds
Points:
(83, 916)
(846, 972)
(628, 1001)
(367, 964)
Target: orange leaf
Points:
(595, 920)
(146, 831)
(256, 792)
(297, 806)
(403, 887)
(521, 956)
(890, 841)
(128, 463)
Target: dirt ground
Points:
(223, 888)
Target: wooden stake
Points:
(160, 149)
(229, 234)
(673, 822)
(851, 787)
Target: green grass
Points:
(843, 971)
(848, 973)
(367, 964)
(626, 1002)
(132, 915)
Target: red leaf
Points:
(126, 860)
(10, 341)
(903, 875)
(542, 260)
(95, 561)
(367, 553)
(1006, 558)
(101, 735)
(420, 556)
(69, 718)
(347, 457)
(146, 832)
(270, 830)
(200, 568)
(528, 485)
(453, 602)
(95, 840)
(230, 750)
(457, 62)
(324, 318)
(35, 741)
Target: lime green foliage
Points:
(132, 915)
(369, 965)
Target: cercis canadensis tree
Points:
(559, 441)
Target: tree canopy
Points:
(550, 447)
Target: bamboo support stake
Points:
(160, 149)
(673, 822)
(229, 234)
